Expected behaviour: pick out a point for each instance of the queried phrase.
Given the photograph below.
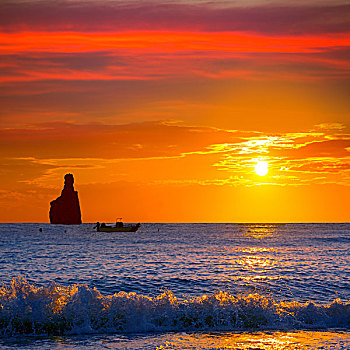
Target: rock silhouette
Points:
(65, 209)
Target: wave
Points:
(78, 309)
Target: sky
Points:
(162, 109)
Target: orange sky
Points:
(162, 110)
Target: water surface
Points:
(201, 281)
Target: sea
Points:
(175, 286)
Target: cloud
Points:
(168, 41)
(136, 56)
(62, 140)
(331, 126)
(325, 148)
(90, 16)
(137, 140)
(294, 159)
(59, 42)
(176, 153)
(16, 171)
(319, 165)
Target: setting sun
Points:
(261, 168)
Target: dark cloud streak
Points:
(120, 16)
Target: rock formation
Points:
(65, 209)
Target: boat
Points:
(127, 228)
(119, 227)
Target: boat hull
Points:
(132, 228)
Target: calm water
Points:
(176, 286)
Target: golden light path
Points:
(261, 168)
(259, 340)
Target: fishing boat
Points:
(119, 227)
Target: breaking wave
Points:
(78, 309)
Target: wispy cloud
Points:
(228, 157)
(137, 140)
(293, 158)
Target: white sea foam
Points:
(78, 309)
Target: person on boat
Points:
(119, 224)
(97, 226)
(103, 225)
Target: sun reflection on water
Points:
(256, 262)
(260, 230)
(258, 340)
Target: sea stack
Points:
(65, 210)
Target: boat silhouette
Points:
(119, 227)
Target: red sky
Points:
(162, 109)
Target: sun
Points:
(261, 168)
